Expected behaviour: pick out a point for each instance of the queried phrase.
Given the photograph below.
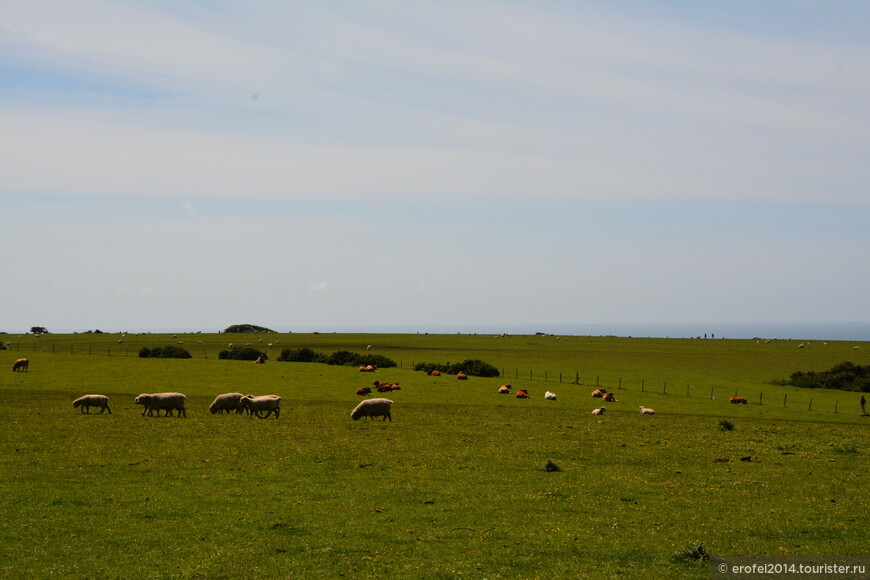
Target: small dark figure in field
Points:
(863, 406)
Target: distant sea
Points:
(859, 331)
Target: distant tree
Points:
(251, 328)
(39, 330)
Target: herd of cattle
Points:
(264, 406)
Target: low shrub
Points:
(242, 353)
(170, 351)
(473, 367)
(303, 354)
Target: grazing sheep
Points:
(20, 365)
(364, 391)
(259, 361)
(505, 389)
(646, 411)
(88, 401)
(256, 405)
(738, 401)
(550, 396)
(609, 397)
(372, 408)
(168, 402)
(599, 410)
(226, 402)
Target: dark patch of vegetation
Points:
(39, 330)
(241, 328)
(693, 554)
(726, 425)
(845, 376)
(303, 354)
(472, 367)
(164, 352)
(242, 353)
(551, 466)
(339, 357)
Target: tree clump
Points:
(249, 328)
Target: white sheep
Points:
(226, 402)
(550, 396)
(88, 401)
(168, 402)
(646, 411)
(599, 410)
(256, 405)
(372, 408)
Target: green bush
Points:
(164, 352)
(846, 376)
(303, 354)
(242, 353)
(472, 367)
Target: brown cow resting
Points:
(738, 401)
(523, 394)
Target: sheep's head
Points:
(77, 403)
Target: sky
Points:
(187, 165)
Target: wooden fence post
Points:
(597, 378)
(665, 389)
(784, 399)
(620, 384)
(811, 404)
(836, 404)
(642, 384)
(711, 393)
(760, 398)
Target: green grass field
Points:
(455, 486)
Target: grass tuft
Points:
(726, 425)
(551, 466)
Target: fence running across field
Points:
(123, 349)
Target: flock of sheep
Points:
(265, 406)
(262, 406)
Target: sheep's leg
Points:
(278, 410)
(109, 409)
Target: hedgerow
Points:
(170, 351)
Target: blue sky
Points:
(301, 165)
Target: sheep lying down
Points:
(372, 408)
(88, 401)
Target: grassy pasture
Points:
(455, 485)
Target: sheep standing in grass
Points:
(226, 402)
(599, 410)
(646, 411)
(256, 405)
(168, 402)
(372, 408)
(88, 401)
